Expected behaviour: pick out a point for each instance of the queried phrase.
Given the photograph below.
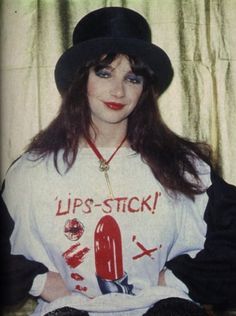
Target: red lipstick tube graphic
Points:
(108, 257)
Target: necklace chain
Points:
(103, 163)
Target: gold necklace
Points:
(103, 163)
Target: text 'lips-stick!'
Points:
(108, 249)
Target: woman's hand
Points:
(161, 280)
(54, 287)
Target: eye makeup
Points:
(130, 76)
(135, 79)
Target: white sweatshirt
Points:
(101, 244)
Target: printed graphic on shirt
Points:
(109, 259)
(110, 274)
(78, 277)
(73, 229)
(144, 251)
(74, 256)
(123, 204)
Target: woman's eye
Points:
(134, 79)
(103, 73)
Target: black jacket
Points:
(16, 272)
(211, 275)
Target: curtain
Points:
(198, 35)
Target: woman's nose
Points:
(117, 89)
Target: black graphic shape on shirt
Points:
(108, 257)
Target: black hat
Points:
(115, 30)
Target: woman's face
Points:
(113, 92)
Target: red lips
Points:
(114, 105)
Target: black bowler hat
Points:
(114, 30)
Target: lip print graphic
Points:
(75, 256)
(73, 229)
(108, 257)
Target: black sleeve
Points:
(16, 272)
(211, 275)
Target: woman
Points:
(78, 202)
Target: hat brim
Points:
(78, 55)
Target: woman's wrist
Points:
(38, 284)
(54, 287)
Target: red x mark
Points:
(146, 252)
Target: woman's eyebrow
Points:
(112, 68)
(109, 67)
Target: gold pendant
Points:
(109, 184)
(104, 167)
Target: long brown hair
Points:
(168, 155)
